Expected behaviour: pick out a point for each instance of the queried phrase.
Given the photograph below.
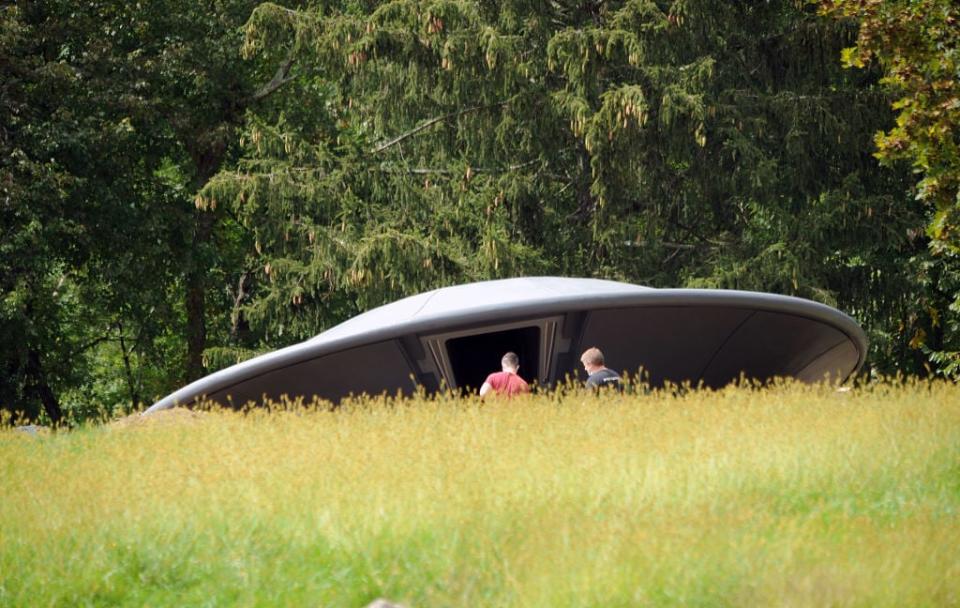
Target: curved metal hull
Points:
(454, 336)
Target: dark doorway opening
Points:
(473, 358)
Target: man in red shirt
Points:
(506, 382)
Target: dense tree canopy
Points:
(113, 116)
(80, 228)
(663, 143)
(185, 184)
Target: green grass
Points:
(798, 496)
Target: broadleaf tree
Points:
(917, 44)
(114, 280)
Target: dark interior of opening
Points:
(473, 358)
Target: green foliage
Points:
(665, 143)
(185, 184)
(917, 43)
(112, 116)
(79, 232)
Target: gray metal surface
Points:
(676, 335)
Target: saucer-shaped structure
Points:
(455, 336)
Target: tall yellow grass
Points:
(792, 495)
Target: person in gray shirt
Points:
(600, 375)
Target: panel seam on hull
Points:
(411, 361)
(820, 354)
(722, 344)
(422, 306)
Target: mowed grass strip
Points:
(790, 495)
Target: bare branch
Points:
(279, 79)
(289, 11)
(237, 301)
(88, 346)
(445, 171)
(384, 145)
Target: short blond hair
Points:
(593, 356)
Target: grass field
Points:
(790, 496)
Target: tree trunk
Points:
(40, 385)
(197, 294)
(128, 368)
(207, 159)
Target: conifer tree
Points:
(668, 143)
